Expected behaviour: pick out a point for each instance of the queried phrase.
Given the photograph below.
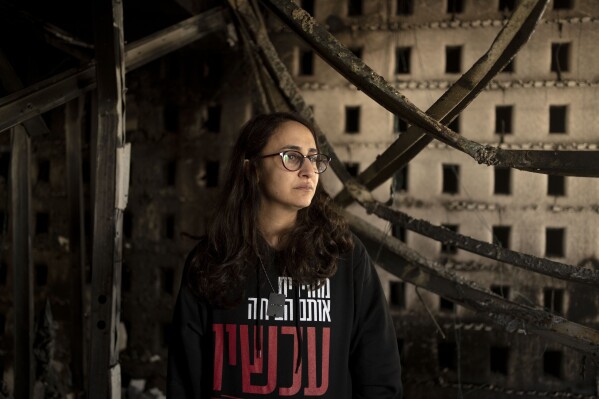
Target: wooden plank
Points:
(64, 87)
(172, 38)
(73, 132)
(22, 262)
(11, 83)
(107, 250)
(402, 261)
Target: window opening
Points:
(453, 59)
(169, 226)
(556, 185)
(553, 300)
(212, 170)
(4, 164)
(560, 58)
(552, 364)
(399, 125)
(405, 7)
(400, 347)
(3, 273)
(43, 170)
(171, 172)
(445, 305)
(562, 4)
(455, 6)
(126, 277)
(399, 232)
(353, 168)
(354, 8)
(41, 274)
(168, 280)
(501, 290)
(306, 63)
(402, 60)
(451, 177)
(42, 223)
(308, 6)
(398, 294)
(501, 236)
(447, 355)
(557, 118)
(127, 224)
(455, 124)
(503, 119)
(352, 120)
(171, 117)
(357, 51)
(502, 181)
(499, 357)
(509, 68)
(400, 180)
(554, 242)
(165, 334)
(213, 121)
(507, 5)
(449, 247)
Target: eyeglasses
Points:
(293, 160)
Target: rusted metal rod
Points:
(372, 84)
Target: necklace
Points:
(276, 301)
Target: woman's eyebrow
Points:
(297, 148)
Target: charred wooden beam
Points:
(173, 38)
(525, 261)
(407, 264)
(73, 132)
(278, 71)
(22, 262)
(510, 39)
(104, 375)
(373, 85)
(11, 83)
(62, 88)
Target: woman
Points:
(280, 299)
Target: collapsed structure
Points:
(131, 228)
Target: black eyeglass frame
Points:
(282, 155)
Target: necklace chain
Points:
(267, 278)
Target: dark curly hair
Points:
(221, 263)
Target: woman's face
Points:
(281, 189)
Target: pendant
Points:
(276, 305)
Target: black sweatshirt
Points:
(345, 335)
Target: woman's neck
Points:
(274, 223)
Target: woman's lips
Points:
(305, 187)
